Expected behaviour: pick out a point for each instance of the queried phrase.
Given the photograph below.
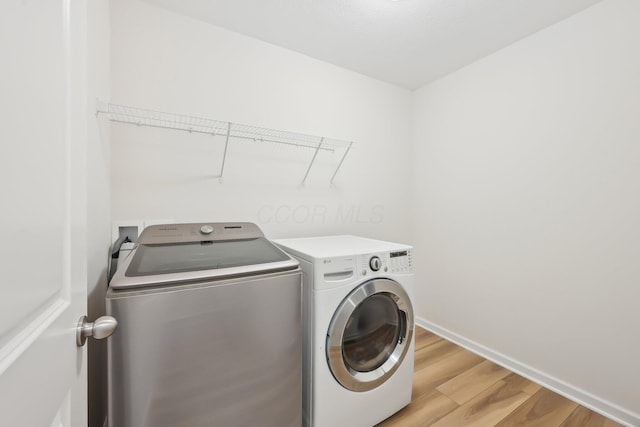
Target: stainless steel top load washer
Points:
(209, 330)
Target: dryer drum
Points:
(370, 334)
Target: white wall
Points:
(98, 198)
(526, 206)
(172, 63)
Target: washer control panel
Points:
(387, 262)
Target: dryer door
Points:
(370, 334)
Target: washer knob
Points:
(206, 229)
(375, 263)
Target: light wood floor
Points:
(453, 387)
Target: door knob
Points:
(102, 328)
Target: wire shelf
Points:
(228, 130)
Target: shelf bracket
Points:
(341, 160)
(313, 159)
(224, 155)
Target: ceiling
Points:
(406, 42)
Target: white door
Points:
(42, 213)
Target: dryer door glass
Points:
(370, 334)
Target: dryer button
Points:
(206, 229)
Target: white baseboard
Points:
(604, 407)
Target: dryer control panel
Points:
(387, 262)
(400, 261)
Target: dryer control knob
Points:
(375, 263)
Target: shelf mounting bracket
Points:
(341, 160)
(313, 159)
(224, 155)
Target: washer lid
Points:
(167, 254)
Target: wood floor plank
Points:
(442, 370)
(522, 383)
(472, 382)
(425, 338)
(584, 417)
(422, 411)
(487, 408)
(428, 355)
(543, 409)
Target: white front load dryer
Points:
(358, 323)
